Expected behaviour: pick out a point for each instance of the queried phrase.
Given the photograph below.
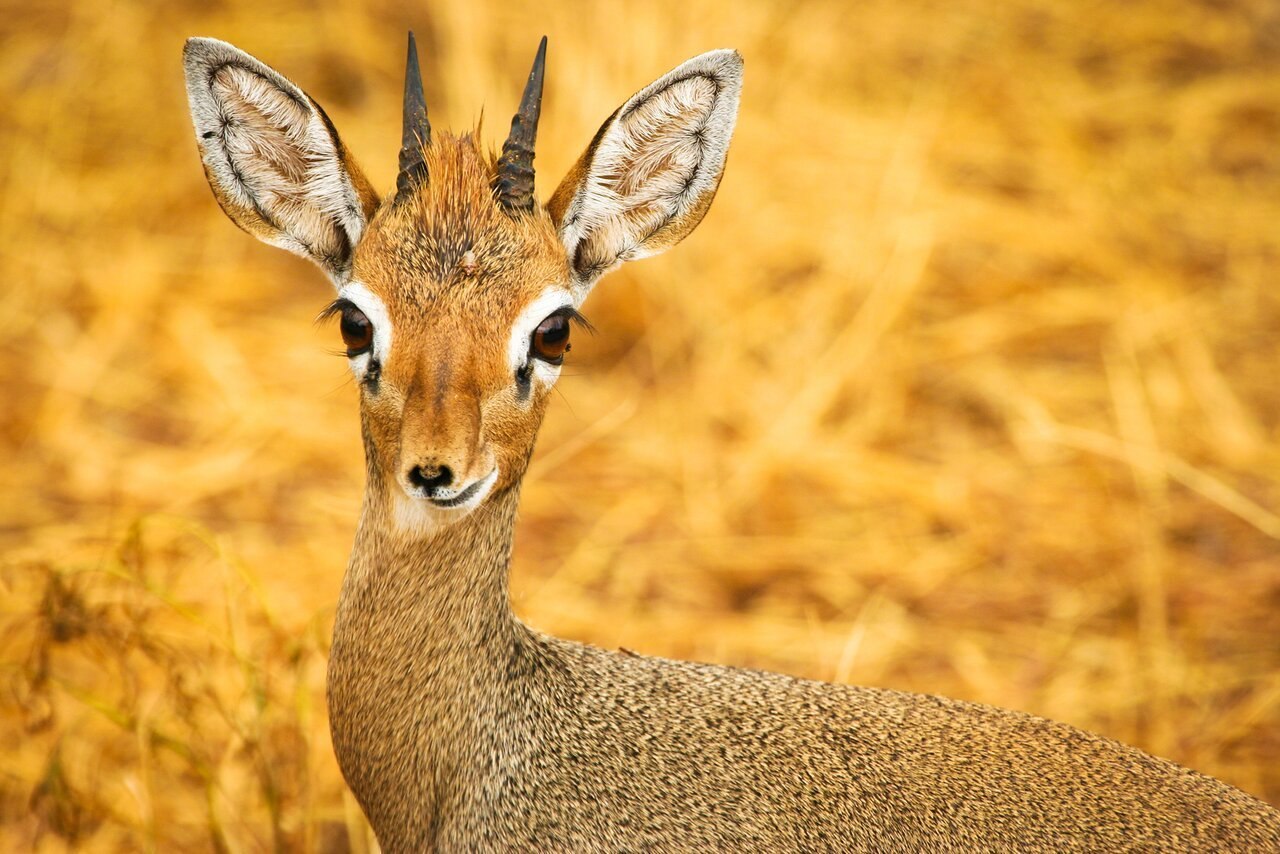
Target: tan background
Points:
(967, 385)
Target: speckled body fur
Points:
(460, 729)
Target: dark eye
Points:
(551, 339)
(357, 331)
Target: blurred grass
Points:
(967, 385)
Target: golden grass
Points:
(967, 385)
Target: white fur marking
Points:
(418, 515)
(376, 310)
(545, 303)
(486, 483)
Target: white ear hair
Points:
(652, 170)
(273, 159)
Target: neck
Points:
(421, 623)
(449, 583)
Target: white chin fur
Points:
(418, 514)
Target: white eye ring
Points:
(373, 307)
(520, 362)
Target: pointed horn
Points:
(417, 130)
(514, 182)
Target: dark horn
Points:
(514, 182)
(417, 130)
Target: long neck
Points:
(422, 629)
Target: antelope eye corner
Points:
(357, 331)
(551, 339)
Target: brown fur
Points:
(454, 272)
(459, 728)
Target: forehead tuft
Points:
(450, 239)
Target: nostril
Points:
(430, 477)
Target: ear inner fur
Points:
(273, 158)
(652, 170)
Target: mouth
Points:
(469, 495)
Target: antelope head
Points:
(457, 294)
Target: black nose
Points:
(430, 477)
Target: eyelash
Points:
(579, 319)
(333, 309)
(574, 316)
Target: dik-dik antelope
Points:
(460, 728)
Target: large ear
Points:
(273, 159)
(652, 170)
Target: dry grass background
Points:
(967, 385)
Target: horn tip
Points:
(412, 59)
(533, 92)
(416, 132)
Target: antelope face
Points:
(456, 320)
(457, 295)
